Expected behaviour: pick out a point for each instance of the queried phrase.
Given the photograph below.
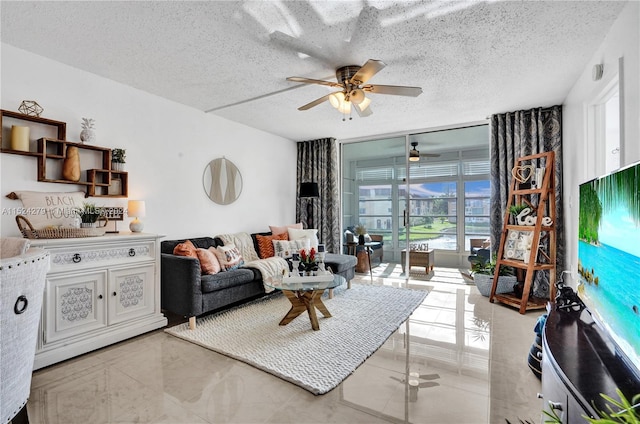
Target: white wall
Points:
(580, 154)
(168, 146)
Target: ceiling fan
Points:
(414, 154)
(352, 88)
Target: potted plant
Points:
(360, 230)
(515, 209)
(483, 274)
(118, 159)
(308, 261)
(89, 215)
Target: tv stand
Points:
(579, 361)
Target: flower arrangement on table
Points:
(308, 260)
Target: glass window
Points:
(375, 206)
(476, 210)
(433, 214)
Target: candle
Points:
(20, 138)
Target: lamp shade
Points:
(136, 208)
(309, 190)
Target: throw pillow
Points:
(311, 234)
(45, 209)
(284, 229)
(286, 248)
(265, 244)
(229, 257)
(208, 261)
(186, 249)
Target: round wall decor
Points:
(222, 181)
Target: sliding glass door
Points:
(439, 201)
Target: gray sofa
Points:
(186, 291)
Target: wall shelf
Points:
(101, 180)
(60, 129)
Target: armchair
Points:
(22, 280)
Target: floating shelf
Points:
(100, 182)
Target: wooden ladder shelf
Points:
(521, 244)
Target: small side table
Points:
(424, 258)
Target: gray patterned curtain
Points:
(318, 163)
(522, 133)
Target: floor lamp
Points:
(310, 191)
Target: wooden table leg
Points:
(305, 301)
(297, 307)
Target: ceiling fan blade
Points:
(298, 46)
(313, 81)
(363, 113)
(316, 102)
(429, 155)
(368, 70)
(396, 90)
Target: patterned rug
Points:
(362, 319)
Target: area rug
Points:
(363, 318)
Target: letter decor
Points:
(523, 218)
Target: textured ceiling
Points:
(231, 58)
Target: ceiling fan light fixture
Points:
(336, 99)
(345, 107)
(414, 155)
(357, 96)
(363, 104)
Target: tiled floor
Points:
(469, 358)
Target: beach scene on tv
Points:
(609, 256)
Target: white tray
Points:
(310, 279)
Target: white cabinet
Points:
(99, 291)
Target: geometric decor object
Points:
(30, 107)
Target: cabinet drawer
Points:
(81, 257)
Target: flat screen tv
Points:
(609, 257)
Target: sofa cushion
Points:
(224, 280)
(286, 248)
(186, 249)
(275, 230)
(209, 263)
(311, 234)
(339, 263)
(229, 256)
(167, 246)
(265, 245)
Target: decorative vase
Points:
(71, 164)
(361, 239)
(117, 166)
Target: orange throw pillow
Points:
(186, 249)
(265, 245)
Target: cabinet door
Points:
(554, 391)
(75, 304)
(131, 293)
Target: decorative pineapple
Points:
(87, 135)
